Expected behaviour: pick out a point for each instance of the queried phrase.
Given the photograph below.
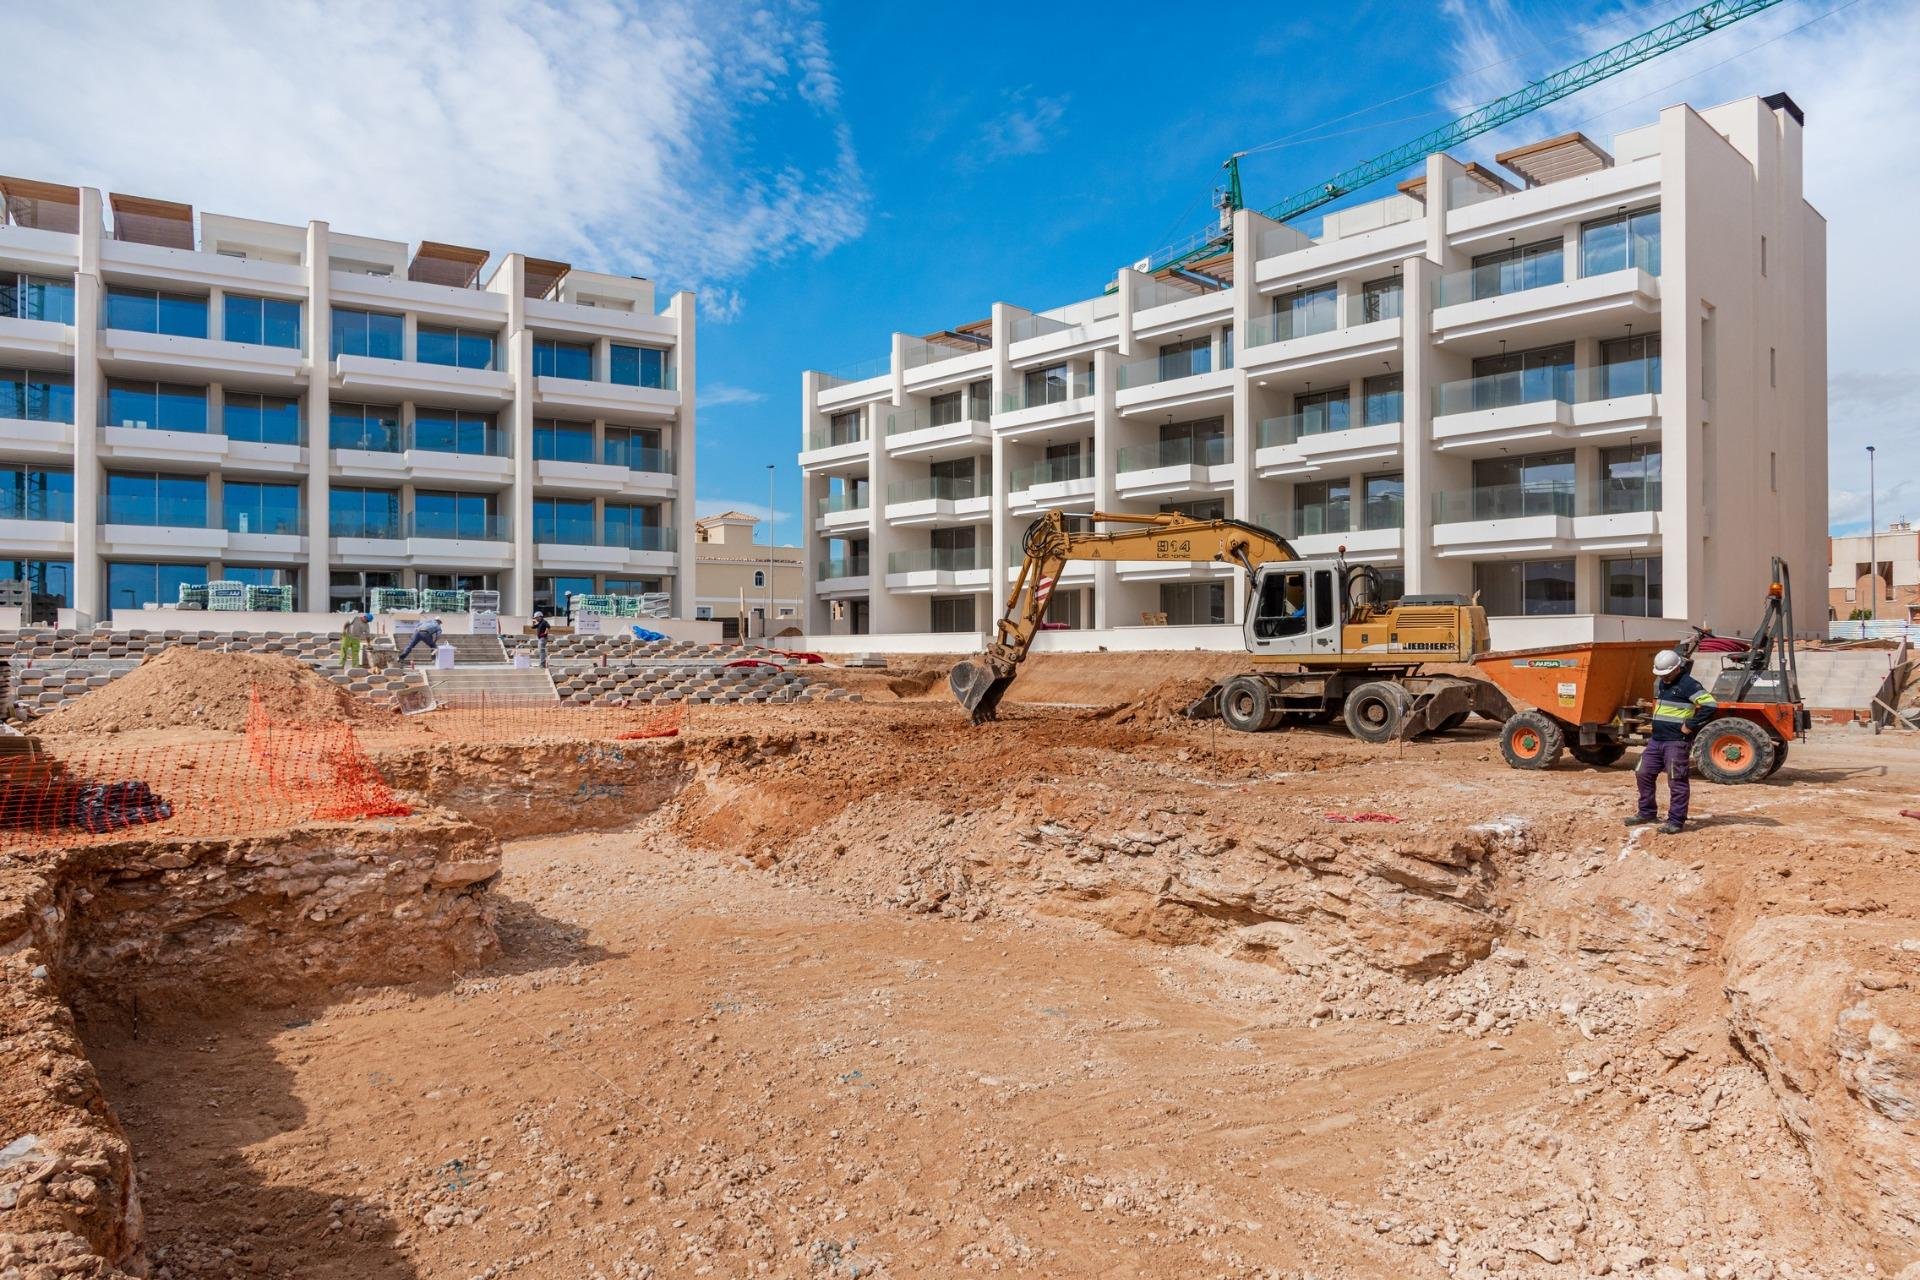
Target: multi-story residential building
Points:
(743, 583)
(184, 399)
(1593, 394)
(1875, 575)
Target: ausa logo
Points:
(1173, 548)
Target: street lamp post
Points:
(1873, 540)
(766, 630)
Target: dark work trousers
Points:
(1670, 757)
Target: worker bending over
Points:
(428, 634)
(1680, 705)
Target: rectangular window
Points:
(456, 431)
(155, 499)
(252, 506)
(1322, 411)
(844, 428)
(267, 322)
(1226, 348)
(260, 575)
(460, 348)
(1380, 299)
(1523, 377)
(1184, 359)
(1325, 506)
(1198, 509)
(636, 450)
(1382, 394)
(1385, 501)
(367, 333)
(568, 520)
(553, 358)
(1306, 312)
(1632, 587)
(1539, 484)
(640, 367)
(260, 419)
(33, 396)
(1709, 358)
(1773, 366)
(353, 589)
(440, 514)
(1763, 255)
(1201, 444)
(1525, 588)
(1629, 366)
(1629, 479)
(944, 410)
(636, 527)
(1194, 604)
(134, 585)
(182, 315)
(952, 614)
(1067, 609)
(1048, 385)
(364, 513)
(1527, 266)
(25, 297)
(562, 441)
(156, 406)
(35, 493)
(1626, 240)
(364, 426)
(43, 577)
(980, 401)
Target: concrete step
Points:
(1842, 679)
(529, 683)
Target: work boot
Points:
(1641, 820)
(1671, 828)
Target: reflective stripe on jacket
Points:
(1678, 705)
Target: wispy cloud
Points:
(1025, 128)
(616, 136)
(713, 394)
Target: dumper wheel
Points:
(1376, 710)
(1779, 758)
(1732, 750)
(1247, 704)
(1599, 755)
(1530, 740)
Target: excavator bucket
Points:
(977, 687)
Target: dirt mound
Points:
(885, 684)
(200, 689)
(1164, 702)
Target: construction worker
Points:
(540, 629)
(1680, 705)
(428, 634)
(353, 639)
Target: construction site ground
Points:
(858, 989)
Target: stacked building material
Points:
(394, 599)
(226, 595)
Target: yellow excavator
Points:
(1323, 641)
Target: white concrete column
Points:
(1418, 474)
(683, 309)
(1105, 464)
(816, 617)
(518, 428)
(1000, 537)
(1124, 286)
(316, 592)
(88, 574)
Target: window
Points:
(1066, 608)
(954, 478)
(553, 358)
(759, 577)
(1382, 400)
(1629, 479)
(634, 586)
(364, 513)
(1709, 364)
(1384, 497)
(1202, 443)
(156, 499)
(552, 594)
(460, 348)
(267, 322)
(1628, 240)
(951, 614)
(640, 367)
(562, 441)
(980, 401)
(25, 297)
(35, 396)
(1632, 587)
(1048, 385)
(1324, 506)
(568, 520)
(460, 581)
(1193, 604)
(364, 426)
(943, 410)
(255, 507)
(1184, 359)
(1380, 299)
(1763, 255)
(1323, 411)
(954, 549)
(637, 528)
(1629, 366)
(844, 428)
(636, 450)
(703, 613)
(260, 575)
(43, 577)
(1539, 484)
(35, 493)
(1282, 609)
(156, 406)
(1307, 311)
(456, 431)
(1525, 588)
(438, 514)
(260, 419)
(367, 333)
(1773, 472)
(1523, 377)
(1515, 270)
(132, 585)
(150, 311)
(1226, 348)
(1773, 366)
(1198, 509)
(353, 589)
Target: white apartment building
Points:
(1594, 392)
(189, 398)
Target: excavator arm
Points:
(979, 683)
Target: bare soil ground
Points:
(1093, 994)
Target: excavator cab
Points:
(1297, 609)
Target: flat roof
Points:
(1555, 159)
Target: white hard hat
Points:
(1666, 662)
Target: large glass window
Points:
(353, 588)
(456, 431)
(1193, 604)
(551, 594)
(43, 577)
(944, 410)
(562, 441)
(134, 584)
(1201, 444)
(1323, 411)
(1383, 399)
(1527, 266)
(156, 499)
(367, 333)
(639, 366)
(1048, 385)
(25, 297)
(1629, 479)
(1632, 587)
(954, 548)
(1385, 501)
(553, 358)
(1307, 311)
(363, 513)
(568, 520)
(636, 450)
(1324, 506)
(35, 493)
(1629, 366)
(150, 311)
(36, 396)
(1184, 359)
(951, 614)
(1380, 299)
(373, 428)
(267, 322)
(260, 575)
(461, 348)
(1523, 377)
(260, 419)
(635, 527)
(1628, 240)
(439, 514)
(156, 406)
(252, 506)
(844, 428)
(1525, 588)
(1538, 484)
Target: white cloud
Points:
(1023, 129)
(713, 394)
(616, 136)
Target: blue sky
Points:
(824, 175)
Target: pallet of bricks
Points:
(270, 599)
(393, 600)
(434, 600)
(227, 596)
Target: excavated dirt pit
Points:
(863, 991)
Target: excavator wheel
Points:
(1247, 704)
(1530, 740)
(1733, 750)
(1376, 710)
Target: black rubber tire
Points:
(1452, 722)
(1375, 711)
(1599, 755)
(1530, 740)
(1732, 751)
(1246, 704)
(1779, 758)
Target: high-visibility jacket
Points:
(1678, 704)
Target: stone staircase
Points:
(1841, 679)
(515, 684)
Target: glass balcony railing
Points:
(34, 399)
(903, 420)
(1622, 496)
(919, 352)
(1030, 395)
(283, 523)
(1165, 368)
(158, 513)
(1305, 522)
(636, 457)
(1505, 502)
(1158, 293)
(473, 439)
(836, 502)
(829, 437)
(457, 525)
(1053, 471)
(1553, 382)
(1295, 322)
(942, 488)
(1498, 280)
(16, 505)
(1025, 327)
(1294, 427)
(851, 567)
(1385, 512)
(583, 533)
(356, 524)
(940, 559)
(859, 371)
(1208, 451)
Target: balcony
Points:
(856, 383)
(1173, 467)
(129, 353)
(1489, 415)
(1066, 331)
(824, 446)
(147, 527)
(34, 525)
(1327, 439)
(377, 378)
(926, 363)
(43, 344)
(616, 401)
(1057, 482)
(574, 546)
(939, 500)
(1313, 339)
(478, 541)
(843, 510)
(926, 571)
(36, 419)
(623, 469)
(1477, 308)
(1330, 529)
(1046, 405)
(917, 433)
(272, 535)
(1547, 518)
(1168, 382)
(852, 576)
(1161, 307)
